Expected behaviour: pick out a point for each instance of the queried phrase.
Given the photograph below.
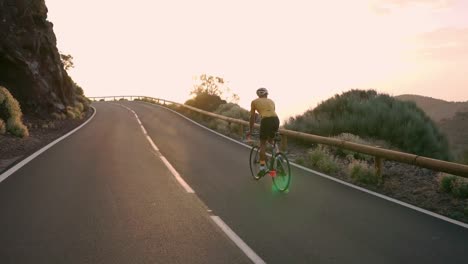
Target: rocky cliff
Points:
(30, 64)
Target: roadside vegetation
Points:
(11, 117)
(414, 185)
(368, 114)
(456, 186)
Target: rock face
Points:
(30, 65)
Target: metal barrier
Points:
(379, 153)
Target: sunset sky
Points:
(302, 51)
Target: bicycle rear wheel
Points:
(283, 172)
(254, 162)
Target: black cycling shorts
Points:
(268, 127)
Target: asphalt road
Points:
(102, 196)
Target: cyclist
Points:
(268, 126)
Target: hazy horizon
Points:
(304, 52)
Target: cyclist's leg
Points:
(273, 127)
(262, 151)
(263, 139)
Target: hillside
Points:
(436, 109)
(450, 117)
(30, 64)
(456, 129)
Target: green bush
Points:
(457, 186)
(447, 182)
(460, 189)
(10, 110)
(321, 159)
(229, 110)
(360, 171)
(368, 114)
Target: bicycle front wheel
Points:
(283, 172)
(254, 161)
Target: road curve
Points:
(103, 196)
(319, 221)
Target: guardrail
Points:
(379, 153)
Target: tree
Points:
(215, 86)
(67, 61)
(208, 84)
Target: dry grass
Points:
(322, 160)
(361, 172)
(10, 110)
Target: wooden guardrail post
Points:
(284, 143)
(241, 130)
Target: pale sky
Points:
(302, 51)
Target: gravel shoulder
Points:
(41, 133)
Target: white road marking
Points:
(152, 143)
(159, 154)
(237, 240)
(224, 227)
(177, 175)
(18, 166)
(421, 210)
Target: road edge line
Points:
(28, 159)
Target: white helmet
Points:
(262, 92)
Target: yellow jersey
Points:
(264, 106)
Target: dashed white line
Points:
(237, 240)
(224, 227)
(174, 172)
(152, 143)
(177, 175)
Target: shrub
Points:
(10, 110)
(205, 101)
(360, 171)
(447, 182)
(378, 116)
(229, 110)
(457, 186)
(79, 107)
(460, 189)
(71, 113)
(56, 116)
(102, 100)
(321, 159)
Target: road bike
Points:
(277, 164)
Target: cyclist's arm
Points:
(252, 117)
